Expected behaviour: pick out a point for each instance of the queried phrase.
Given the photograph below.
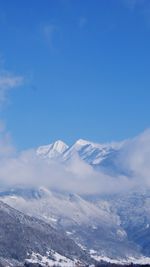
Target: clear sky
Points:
(81, 69)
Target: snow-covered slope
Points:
(53, 150)
(22, 236)
(51, 259)
(71, 208)
(134, 211)
(115, 227)
(92, 153)
(91, 225)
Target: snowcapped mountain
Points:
(53, 150)
(90, 152)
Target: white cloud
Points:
(6, 147)
(51, 33)
(135, 157)
(8, 81)
(26, 168)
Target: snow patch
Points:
(53, 258)
(141, 260)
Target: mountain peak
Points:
(59, 146)
(52, 150)
(82, 142)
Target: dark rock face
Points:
(20, 235)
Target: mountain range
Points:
(90, 152)
(109, 227)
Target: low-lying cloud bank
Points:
(26, 168)
(135, 157)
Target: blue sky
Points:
(73, 69)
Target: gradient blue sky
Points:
(85, 66)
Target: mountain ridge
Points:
(22, 235)
(90, 152)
